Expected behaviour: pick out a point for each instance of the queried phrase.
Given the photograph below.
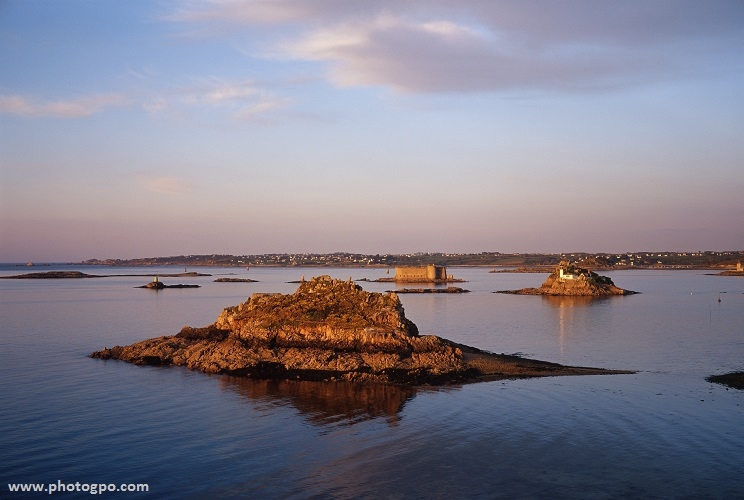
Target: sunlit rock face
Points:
(327, 329)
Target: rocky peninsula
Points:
(572, 281)
(330, 330)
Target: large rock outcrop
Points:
(328, 330)
(573, 281)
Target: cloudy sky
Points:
(148, 128)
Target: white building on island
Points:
(564, 276)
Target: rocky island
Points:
(156, 284)
(572, 281)
(330, 330)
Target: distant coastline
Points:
(506, 262)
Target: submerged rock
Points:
(328, 330)
(570, 280)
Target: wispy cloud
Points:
(258, 11)
(242, 100)
(75, 108)
(229, 93)
(260, 109)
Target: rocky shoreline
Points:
(330, 330)
(729, 273)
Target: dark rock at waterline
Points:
(733, 379)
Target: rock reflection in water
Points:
(574, 301)
(329, 403)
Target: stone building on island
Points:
(428, 273)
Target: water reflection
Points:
(328, 403)
(567, 308)
(576, 301)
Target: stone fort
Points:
(429, 272)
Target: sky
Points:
(154, 128)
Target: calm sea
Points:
(663, 432)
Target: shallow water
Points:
(662, 432)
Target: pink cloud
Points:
(74, 108)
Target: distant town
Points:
(630, 260)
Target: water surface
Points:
(662, 432)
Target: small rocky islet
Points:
(330, 329)
(159, 285)
(570, 280)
